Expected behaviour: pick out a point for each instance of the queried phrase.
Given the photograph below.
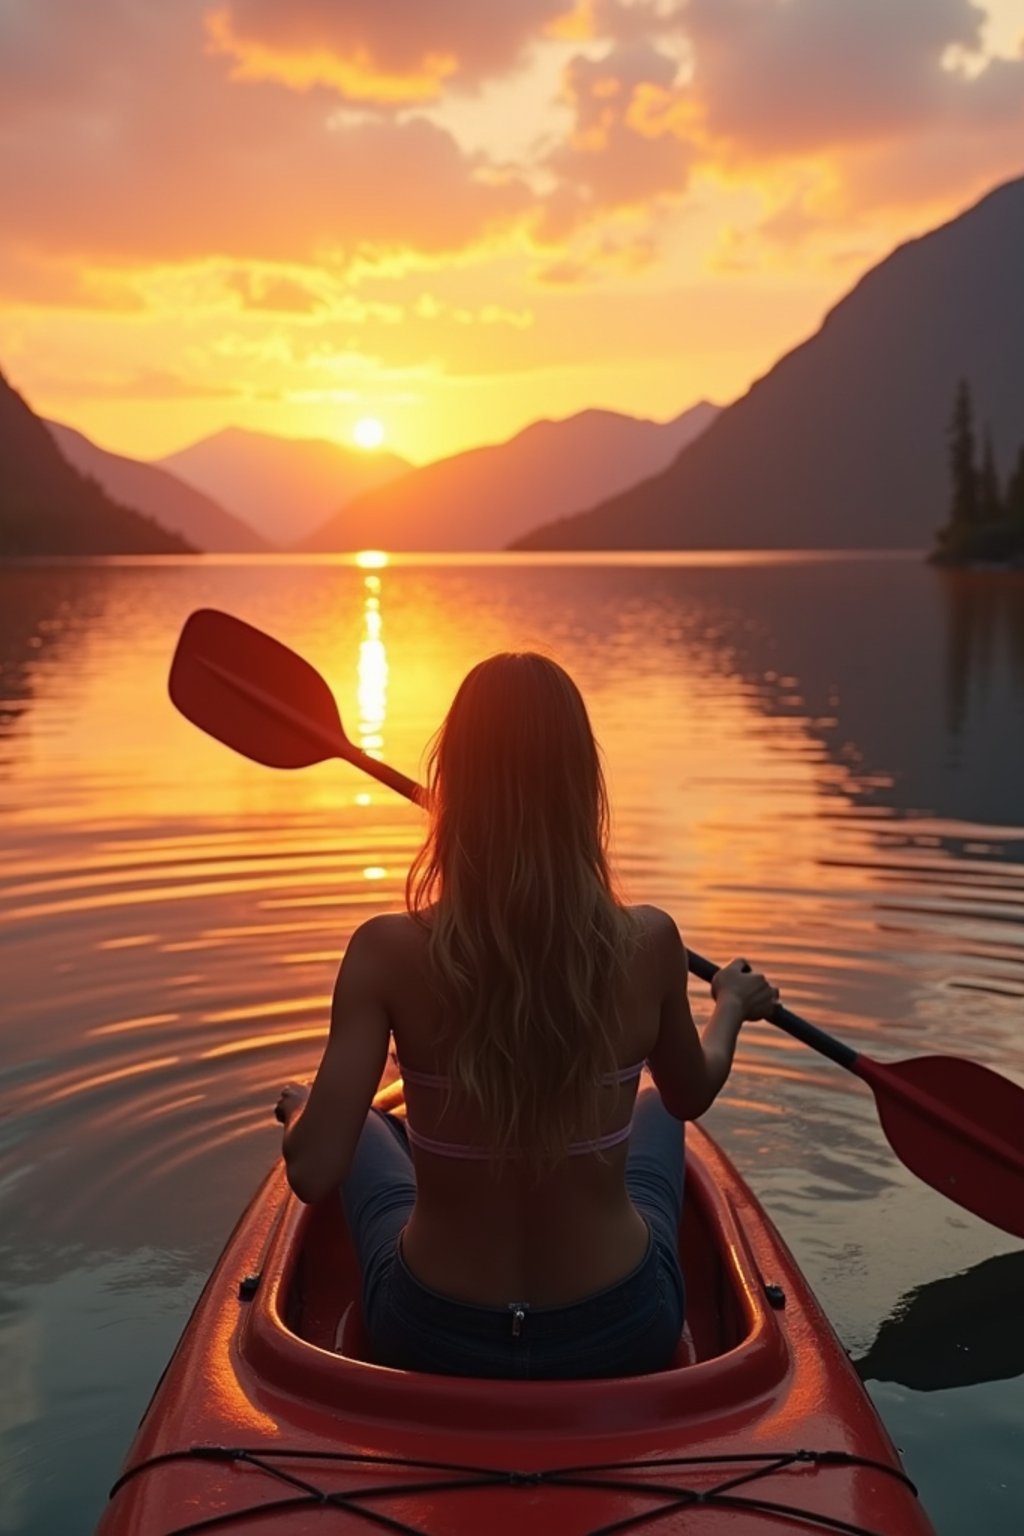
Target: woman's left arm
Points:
(320, 1136)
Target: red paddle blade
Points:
(253, 693)
(959, 1127)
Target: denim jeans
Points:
(627, 1329)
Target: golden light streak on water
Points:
(373, 672)
(269, 1010)
(129, 1026)
(290, 1037)
(116, 1075)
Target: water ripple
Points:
(171, 918)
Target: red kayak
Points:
(271, 1416)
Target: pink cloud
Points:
(848, 110)
(146, 152)
(130, 140)
(789, 77)
(924, 172)
(831, 110)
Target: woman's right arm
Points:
(690, 1070)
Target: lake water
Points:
(815, 762)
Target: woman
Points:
(523, 1220)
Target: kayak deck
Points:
(271, 1416)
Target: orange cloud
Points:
(619, 155)
(354, 75)
(388, 52)
(52, 281)
(266, 291)
(828, 112)
(130, 142)
(238, 177)
(145, 152)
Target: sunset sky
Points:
(456, 216)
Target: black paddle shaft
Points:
(809, 1034)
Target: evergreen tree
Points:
(990, 506)
(966, 499)
(1015, 494)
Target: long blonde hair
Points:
(527, 942)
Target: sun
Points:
(368, 433)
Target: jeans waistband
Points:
(588, 1314)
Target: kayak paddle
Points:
(957, 1125)
(232, 680)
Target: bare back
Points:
(490, 1232)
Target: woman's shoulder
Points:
(387, 939)
(655, 926)
(660, 955)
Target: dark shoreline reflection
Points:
(955, 1331)
(41, 609)
(911, 679)
(985, 619)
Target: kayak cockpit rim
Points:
(735, 1379)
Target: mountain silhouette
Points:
(157, 493)
(48, 508)
(283, 487)
(843, 442)
(486, 497)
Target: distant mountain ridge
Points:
(282, 487)
(486, 497)
(842, 442)
(158, 493)
(48, 508)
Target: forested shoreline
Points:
(986, 520)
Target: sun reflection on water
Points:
(372, 693)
